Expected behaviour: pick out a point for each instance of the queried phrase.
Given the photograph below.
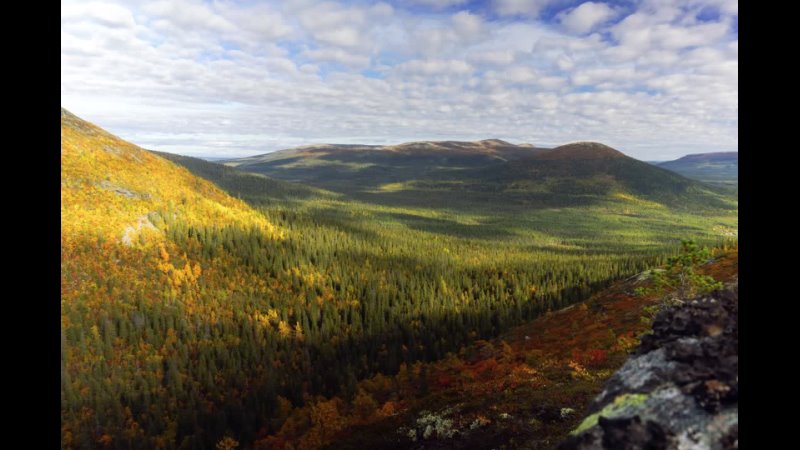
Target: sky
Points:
(655, 79)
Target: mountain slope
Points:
(721, 169)
(526, 389)
(255, 189)
(691, 366)
(492, 173)
(150, 257)
(109, 185)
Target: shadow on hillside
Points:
(449, 227)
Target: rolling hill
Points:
(720, 169)
(490, 174)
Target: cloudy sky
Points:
(656, 79)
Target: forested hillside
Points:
(191, 319)
(526, 389)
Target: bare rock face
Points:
(679, 390)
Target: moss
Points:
(620, 404)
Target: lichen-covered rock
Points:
(680, 388)
(431, 425)
(567, 412)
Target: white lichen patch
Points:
(431, 425)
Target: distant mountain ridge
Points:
(718, 169)
(445, 173)
(716, 156)
(489, 147)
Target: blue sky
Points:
(656, 79)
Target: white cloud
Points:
(730, 7)
(107, 14)
(466, 24)
(309, 68)
(494, 58)
(189, 15)
(640, 34)
(232, 78)
(328, 15)
(260, 20)
(435, 67)
(565, 63)
(337, 55)
(586, 17)
(520, 74)
(344, 36)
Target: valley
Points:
(254, 301)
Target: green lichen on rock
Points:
(620, 405)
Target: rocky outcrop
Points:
(679, 390)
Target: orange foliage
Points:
(591, 358)
(485, 369)
(388, 409)
(326, 422)
(105, 440)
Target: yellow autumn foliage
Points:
(109, 186)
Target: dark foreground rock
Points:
(679, 390)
